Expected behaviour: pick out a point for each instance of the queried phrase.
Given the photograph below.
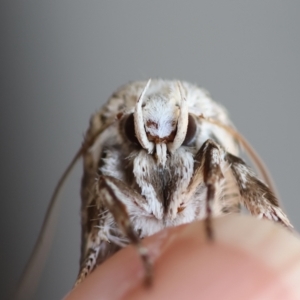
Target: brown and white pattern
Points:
(151, 160)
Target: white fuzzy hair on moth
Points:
(161, 112)
(163, 154)
(160, 116)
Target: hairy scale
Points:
(157, 154)
(160, 164)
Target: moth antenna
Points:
(32, 271)
(139, 122)
(253, 155)
(31, 274)
(182, 122)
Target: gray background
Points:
(60, 60)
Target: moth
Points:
(162, 153)
(158, 163)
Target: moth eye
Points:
(191, 132)
(129, 130)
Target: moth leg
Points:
(208, 170)
(89, 264)
(109, 190)
(256, 196)
(98, 246)
(230, 198)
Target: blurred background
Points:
(61, 60)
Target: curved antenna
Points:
(31, 275)
(253, 155)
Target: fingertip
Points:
(249, 259)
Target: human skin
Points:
(248, 259)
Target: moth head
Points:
(161, 123)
